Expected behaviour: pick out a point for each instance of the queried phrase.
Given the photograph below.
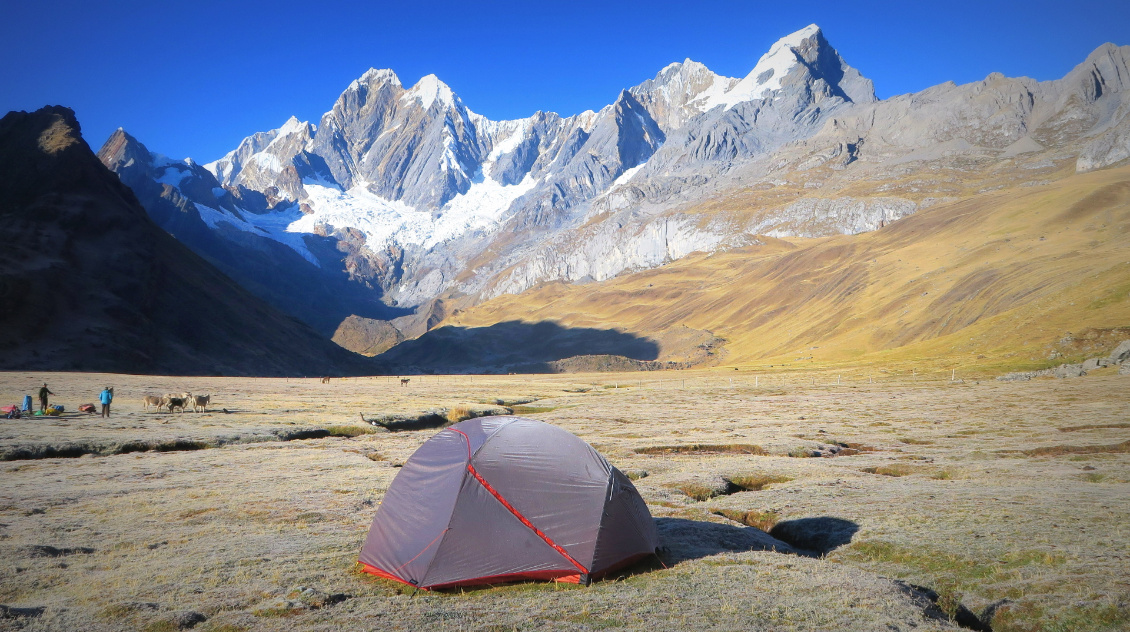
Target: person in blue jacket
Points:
(106, 397)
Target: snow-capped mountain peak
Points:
(375, 76)
(766, 76)
(428, 90)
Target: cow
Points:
(201, 402)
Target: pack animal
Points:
(156, 401)
(404, 381)
(175, 403)
(201, 402)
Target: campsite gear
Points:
(11, 412)
(54, 410)
(86, 408)
(498, 499)
(27, 403)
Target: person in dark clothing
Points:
(43, 393)
(106, 397)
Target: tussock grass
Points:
(699, 491)
(913, 441)
(532, 410)
(895, 469)
(947, 564)
(1061, 450)
(1032, 615)
(764, 520)
(756, 482)
(703, 448)
(456, 414)
(349, 431)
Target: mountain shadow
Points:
(89, 283)
(517, 347)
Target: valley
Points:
(999, 500)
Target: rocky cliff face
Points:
(418, 197)
(90, 283)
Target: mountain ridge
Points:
(439, 204)
(90, 283)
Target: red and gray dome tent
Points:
(504, 499)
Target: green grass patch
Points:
(764, 520)
(756, 482)
(349, 431)
(895, 469)
(698, 491)
(1039, 616)
(913, 441)
(944, 565)
(532, 410)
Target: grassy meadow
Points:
(967, 502)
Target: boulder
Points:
(1124, 369)
(1069, 370)
(1120, 354)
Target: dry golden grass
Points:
(262, 533)
(988, 283)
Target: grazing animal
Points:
(201, 402)
(153, 400)
(404, 381)
(176, 402)
(325, 380)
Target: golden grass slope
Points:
(984, 283)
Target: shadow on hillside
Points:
(514, 346)
(692, 539)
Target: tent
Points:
(499, 499)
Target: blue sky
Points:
(192, 79)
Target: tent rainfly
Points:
(500, 499)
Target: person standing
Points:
(43, 393)
(106, 397)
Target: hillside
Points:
(999, 279)
(89, 283)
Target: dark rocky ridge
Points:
(89, 283)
